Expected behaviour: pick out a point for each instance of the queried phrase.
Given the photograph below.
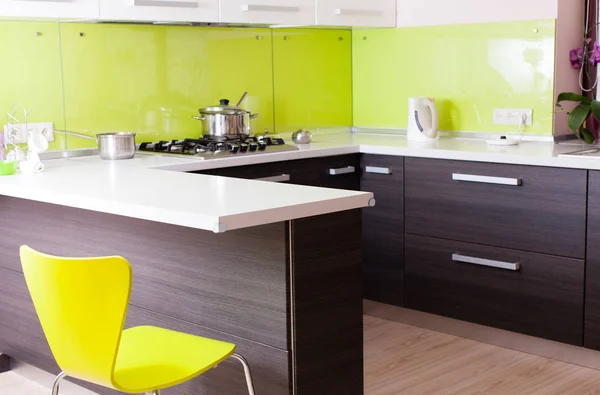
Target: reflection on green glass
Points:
(152, 79)
(30, 73)
(469, 69)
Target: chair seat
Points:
(152, 358)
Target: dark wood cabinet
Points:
(383, 229)
(535, 294)
(339, 172)
(592, 277)
(538, 209)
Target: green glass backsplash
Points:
(30, 73)
(153, 79)
(469, 69)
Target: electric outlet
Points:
(17, 133)
(513, 116)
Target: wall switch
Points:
(17, 133)
(513, 116)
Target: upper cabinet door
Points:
(371, 13)
(160, 10)
(446, 12)
(276, 12)
(65, 9)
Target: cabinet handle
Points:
(343, 170)
(166, 4)
(378, 170)
(487, 179)
(280, 178)
(486, 262)
(349, 12)
(269, 8)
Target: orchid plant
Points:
(583, 59)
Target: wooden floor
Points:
(405, 360)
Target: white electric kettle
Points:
(422, 120)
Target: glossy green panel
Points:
(153, 79)
(30, 73)
(469, 69)
(313, 78)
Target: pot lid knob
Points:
(224, 102)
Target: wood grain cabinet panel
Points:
(383, 229)
(592, 289)
(475, 202)
(543, 298)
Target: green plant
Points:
(580, 114)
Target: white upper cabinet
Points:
(447, 12)
(276, 12)
(371, 13)
(66, 9)
(160, 10)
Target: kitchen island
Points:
(273, 268)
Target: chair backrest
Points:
(81, 304)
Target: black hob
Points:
(207, 148)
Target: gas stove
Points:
(207, 148)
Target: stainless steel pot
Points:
(225, 121)
(111, 146)
(302, 137)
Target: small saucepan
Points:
(112, 146)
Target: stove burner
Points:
(209, 147)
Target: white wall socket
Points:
(17, 133)
(512, 116)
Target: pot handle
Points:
(197, 118)
(254, 116)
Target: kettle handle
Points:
(433, 132)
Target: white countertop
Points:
(156, 187)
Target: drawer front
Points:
(522, 207)
(274, 172)
(376, 13)
(338, 172)
(285, 12)
(165, 10)
(383, 229)
(535, 294)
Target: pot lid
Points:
(224, 109)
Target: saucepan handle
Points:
(254, 116)
(197, 118)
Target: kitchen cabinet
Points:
(444, 12)
(339, 172)
(49, 8)
(592, 278)
(383, 229)
(525, 292)
(374, 13)
(160, 10)
(276, 12)
(537, 209)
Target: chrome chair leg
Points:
(57, 381)
(246, 372)
(155, 392)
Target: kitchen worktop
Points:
(157, 187)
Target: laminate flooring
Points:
(402, 359)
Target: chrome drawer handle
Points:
(487, 179)
(166, 4)
(378, 170)
(349, 12)
(486, 262)
(343, 170)
(269, 8)
(280, 178)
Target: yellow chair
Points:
(82, 304)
